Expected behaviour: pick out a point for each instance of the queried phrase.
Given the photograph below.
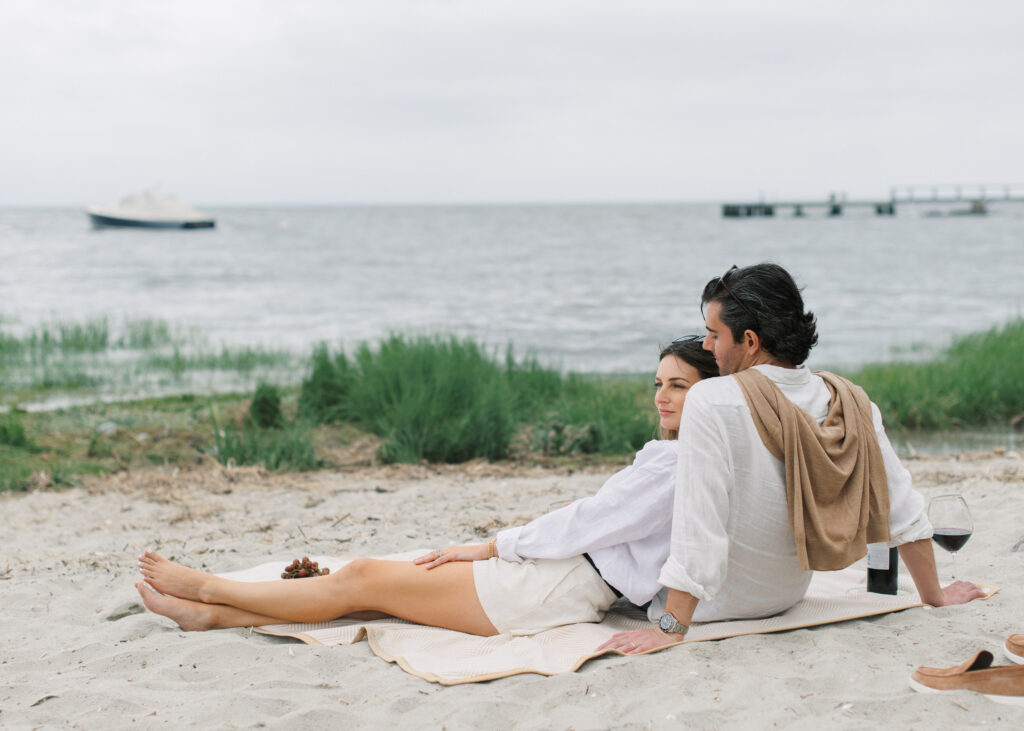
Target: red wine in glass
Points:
(951, 522)
(951, 539)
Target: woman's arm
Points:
(632, 504)
(469, 552)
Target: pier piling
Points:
(978, 196)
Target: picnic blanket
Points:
(450, 658)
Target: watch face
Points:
(667, 622)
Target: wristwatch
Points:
(670, 625)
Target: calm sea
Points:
(591, 288)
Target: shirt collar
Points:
(788, 376)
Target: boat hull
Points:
(100, 220)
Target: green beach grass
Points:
(977, 381)
(441, 399)
(426, 398)
(98, 357)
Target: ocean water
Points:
(593, 288)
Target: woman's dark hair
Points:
(764, 298)
(690, 350)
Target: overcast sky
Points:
(327, 101)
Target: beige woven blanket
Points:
(449, 658)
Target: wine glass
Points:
(952, 523)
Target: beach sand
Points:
(78, 649)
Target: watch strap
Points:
(669, 624)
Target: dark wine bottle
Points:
(883, 569)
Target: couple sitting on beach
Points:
(769, 472)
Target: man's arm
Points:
(700, 513)
(908, 523)
(679, 604)
(919, 557)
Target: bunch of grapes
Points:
(301, 569)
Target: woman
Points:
(564, 567)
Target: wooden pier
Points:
(977, 196)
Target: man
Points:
(735, 550)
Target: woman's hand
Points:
(640, 640)
(471, 552)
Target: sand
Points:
(78, 649)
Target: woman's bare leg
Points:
(442, 597)
(193, 616)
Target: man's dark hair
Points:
(764, 298)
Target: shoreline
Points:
(79, 649)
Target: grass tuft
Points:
(325, 392)
(289, 447)
(596, 416)
(145, 335)
(241, 360)
(12, 433)
(265, 409)
(60, 338)
(436, 399)
(17, 454)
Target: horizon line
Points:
(424, 204)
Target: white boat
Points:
(150, 209)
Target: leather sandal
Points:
(1014, 648)
(1002, 684)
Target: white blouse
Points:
(732, 543)
(625, 527)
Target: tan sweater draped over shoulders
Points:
(836, 486)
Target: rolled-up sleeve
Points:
(631, 505)
(699, 555)
(908, 519)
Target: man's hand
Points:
(920, 560)
(640, 640)
(960, 592)
(471, 552)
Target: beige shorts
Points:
(530, 597)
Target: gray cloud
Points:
(323, 101)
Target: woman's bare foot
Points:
(168, 577)
(190, 616)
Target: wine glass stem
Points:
(953, 554)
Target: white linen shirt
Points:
(625, 527)
(732, 542)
